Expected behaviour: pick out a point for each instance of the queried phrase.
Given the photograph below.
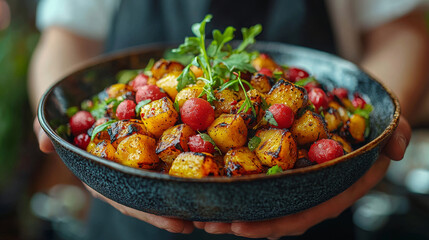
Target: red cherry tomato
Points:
(296, 74)
(283, 115)
(197, 144)
(264, 56)
(151, 92)
(266, 72)
(325, 150)
(81, 122)
(309, 86)
(82, 140)
(139, 81)
(358, 101)
(126, 110)
(340, 92)
(318, 97)
(197, 113)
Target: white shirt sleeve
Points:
(87, 18)
(373, 13)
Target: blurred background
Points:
(54, 208)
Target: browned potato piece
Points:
(124, 128)
(346, 145)
(198, 72)
(242, 161)
(103, 149)
(333, 119)
(287, 93)
(118, 89)
(226, 99)
(261, 82)
(277, 147)
(162, 67)
(137, 151)
(158, 116)
(228, 131)
(357, 127)
(264, 61)
(169, 83)
(249, 118)
(188, 93)
(194, 165)
(309, 128)
(173, 142)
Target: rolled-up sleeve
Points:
(87, 18)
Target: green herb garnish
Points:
(100, 128)
(140, 105)
(269, 117)
(305, 81)
(254, 143)
(207, 138)
(71, 111)
(274, 170)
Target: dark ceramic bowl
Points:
(253, 197)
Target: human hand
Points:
(294, 224)
(45, 143)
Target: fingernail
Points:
(402, 142)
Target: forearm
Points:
(398, 55)
(57, 52)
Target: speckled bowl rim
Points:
(165, 177)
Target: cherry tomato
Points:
(126, 110)
(318, 97)
(197, 113)
(309, 86)
(358, 101)
(325, 150)
(82, 140)
(139, 81)
(151, 92)
(340, 92)
(81, 122)
(283, 115)
(266, 72)
(296, 74)
(197, 144)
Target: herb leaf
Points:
(274, 170)
(254, 143)
(207, 138)
(249, 35)
(270, 118)
(100, 128)
(140, 105)
(71, 111)
(305, 81)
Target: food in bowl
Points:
(225, 112)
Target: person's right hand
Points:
(45, 143)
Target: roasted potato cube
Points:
(226, 99)
(357, 127)
(309, 128)
(346, 145)
(228, 131)
(162, 67)
(277, 147)
(249, 118)
(119, 89)
(173, 142)
(333, 119)
(189, 92)
(261, 83)
(103, 149)
(194, 165)
(242, 161)
(198, 72)
(124, 128)
(264, 61)
(169, 83)
(158, 116)
(287, 93)
(137, 151)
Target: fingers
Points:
(398, 142)
(45, 143)
(170, 224)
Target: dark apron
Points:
(138, 22)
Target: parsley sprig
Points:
(218, 60)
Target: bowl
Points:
(245, 198)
